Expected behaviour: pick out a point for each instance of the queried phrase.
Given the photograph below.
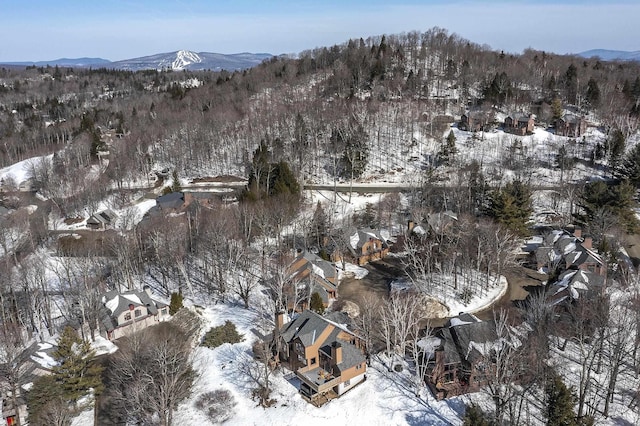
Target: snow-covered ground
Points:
(385, 398)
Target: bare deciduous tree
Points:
(153, 371)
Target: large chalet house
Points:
(462, 360)
(564, 251)
(322, 277)
(363, 246)
(125, 313)
(573, 285)
(475, 120)
(570, 125)
(326, 357)
(519, 124)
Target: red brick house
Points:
(474, 121)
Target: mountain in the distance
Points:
(65, 62)
(180, 60)
(185, 59)
(611, 55)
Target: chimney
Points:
(279, 320)
(410, 225)
(587, 242)
(336, 352)
(577, 232)
(147, 290)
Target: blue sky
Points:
(119, 29)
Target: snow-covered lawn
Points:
(385, 398)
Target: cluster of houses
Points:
(462, 358)
(569, 125)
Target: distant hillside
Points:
(65, 62)
(611, 55)
(180, 60)
(185, 59)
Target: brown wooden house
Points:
(519, 124)
(571, 125)
(321, 275)
(559, 248)
(364, 246)
(474, 121)
(462, 362)
(326, 357)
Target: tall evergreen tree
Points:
(593, 93)
(570, 80)
(615, 148)
(448, 149)
(630, 168)
(511, 206)
(560, 401)
(76, 372)
(175, 182)
(473, 416)
(316, 303)
(599, 198)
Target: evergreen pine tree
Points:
(560, 402)
(593, 93)
(175, 182)
(46, 403)
(631, 166)
(473, 416)
(76, 372)
(615, 148)
(511, 206)
(319, 226)
(556, 108)
(316, 303)
(448, 149)
(176, 303)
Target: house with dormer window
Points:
(326, 357)
(128, 312)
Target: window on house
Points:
(127, 316)
(138, 313)
(449, 373)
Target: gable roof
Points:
(561, 245)
(466, 338)
(309, 326)
(358, 237)
(102, 217)
(116, 303)
(173, 200)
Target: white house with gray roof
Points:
(128, 312)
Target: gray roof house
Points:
(171, 201)
(364, 245)
(461, 362)
(323, 276)
(128, 312)
(326, 357)
(102, 219)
